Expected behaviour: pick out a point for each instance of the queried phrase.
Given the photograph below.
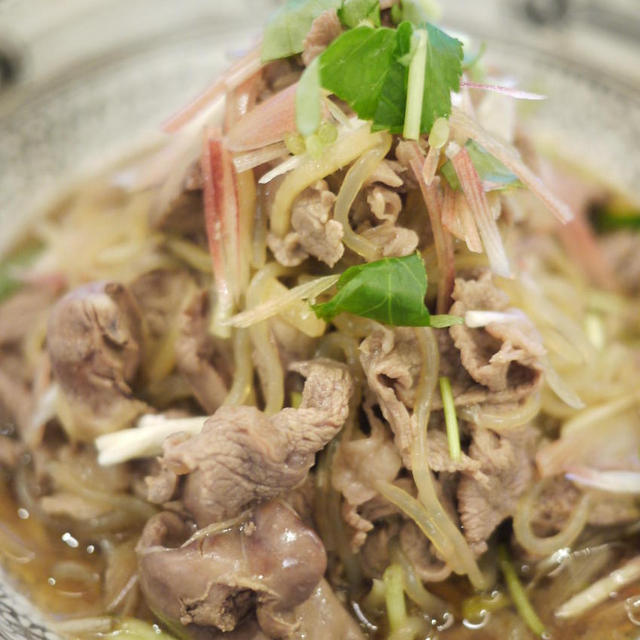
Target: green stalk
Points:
(518, 594)
(415, 88)
(450, 418)
(393, 579)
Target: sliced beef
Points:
(466, 391)
(161, 486)
(196, 355)
(358, 462)
(271, 563)
(387, 173)
(376, 210)
(559, 498)
(385, 204)
(324, 30)
(487, 498)
(391, 362)
(375, 554)
(422, 554)
(393, 241)
(94, 339)
(501, 355)
(314, 233)
(243, 456)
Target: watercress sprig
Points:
(390, 290)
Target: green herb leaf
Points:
(308, 100)
(353, 12)
(442, 75)
(286, 30)
(367, 68)
(391, 106)
(605, 219)
(390, 290)
(415, 87)
(489, 168)
(355, 67)
(415, 11)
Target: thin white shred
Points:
(284, 167)
(627, 482)
(308, 290)
(252, 159)
(475, 318)
(145, 440)
(518, 94)
(601, 590)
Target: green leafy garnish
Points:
(390, 290)
(286, 30)
(9, 284)
(489, 168)
(415, 11)
(355, 67)
(518, 593)
(369, 69)
(354, 12)
(308, 100)
(442, 75)
(450, 418)
(605, 218)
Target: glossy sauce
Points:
(58, 573)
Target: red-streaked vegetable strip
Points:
(242, 70)
(458, 220)
(472, 188)
(266, 124)
(241, 100)
(430, 165)
(222, 224)
(442, 238)
(507, 91)
(466, 126)
(246, 194)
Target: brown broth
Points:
(34, 557)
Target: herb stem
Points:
(450, 418)
(393, 579)
(518, 594)
(415, 87)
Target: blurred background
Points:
(80, 80)
(39, 38)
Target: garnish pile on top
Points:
(399, 78)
